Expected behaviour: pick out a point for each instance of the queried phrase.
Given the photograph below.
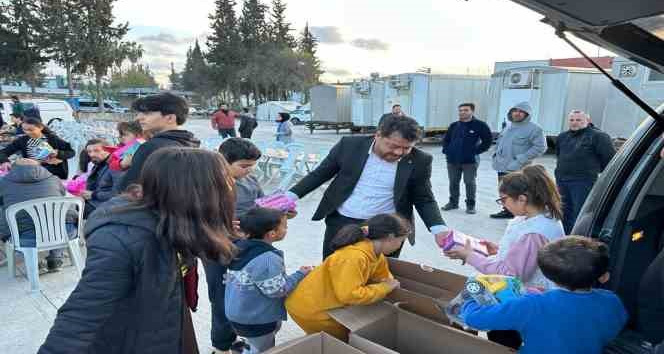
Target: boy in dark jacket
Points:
(161, 116)
(464, 141)
(247, 124)
(256, 283)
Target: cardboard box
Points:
(424, 290)
(319, 343)
(385, 329)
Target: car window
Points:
(655, 76)
(52, 106)
(88, 104)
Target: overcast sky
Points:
(362, 36)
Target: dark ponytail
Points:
(535, 183)
(378, 227)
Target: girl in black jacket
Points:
(36, 137)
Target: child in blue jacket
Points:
(257, 283)
(573, 318)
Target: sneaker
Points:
(450, 206)
(239, 346)
(54, 265)
(503, 214)
(471, 210)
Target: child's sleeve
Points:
(520, 261)
(510, 315)
(349, 281)
(382, 271)
(271, 278)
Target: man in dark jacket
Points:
(97, 192)
(583, 152)
(385, 173)
(247, 124)
(396, 111)
(161, 116)
(113, 308)
(464, 141)
(28, 180)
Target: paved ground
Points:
(26, 318)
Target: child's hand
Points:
(236, 226)
(306, 269)
(460, 253)
(490, 246)
(392, 283)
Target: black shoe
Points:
(470, 209)
(239, 346)
(450, 206)
(54, 265)
(503, 214)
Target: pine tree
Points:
(225, 46)
(175, 78)
(23, 27)
(280, 27)
(307, 48)
(196, 74)
(253, 28)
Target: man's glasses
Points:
(501, 200)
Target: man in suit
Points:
(374, 175)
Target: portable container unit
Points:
(621, 115)
(270, 110)
(552, 93)
(367, 97)
(433, 99)
(331, 103)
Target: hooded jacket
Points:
(257, 285)
(24, 183)
(130, 296)
(169, 138)
(519, 143)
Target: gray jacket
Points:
(25, 183)
(519, 143)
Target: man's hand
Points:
(392, 283)
(460, 253)
(440, 237)
(87, 195)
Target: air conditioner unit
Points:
(399, 83)
(520, 79)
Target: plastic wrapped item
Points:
(278, 200)
(43, 151)
(77, 185)
(485, 290)
(458, 239)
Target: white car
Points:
(92, 106)
(300, 116)
(49, 109)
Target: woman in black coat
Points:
(37, 136)
(131, 297)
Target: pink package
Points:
(456, 238)
(277, 201)
(77, 185)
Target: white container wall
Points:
(331, 103)
(552, 93)
(270, 110)
(367, 98)
(411, 91)
(446, 92)
(621, 115)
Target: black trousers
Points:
(469, 173)
(222, 332)
(333, 223)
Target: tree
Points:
(253, 28)
(307, 46)
(196, 74)
(102, 44)
(224, 47)
(21, 29)
(175, 78)
(280, 27)
(137, 75)
(63, 29)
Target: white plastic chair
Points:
(49, 218)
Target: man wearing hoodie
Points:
(28, 180)
(160, 116)
(518, 144)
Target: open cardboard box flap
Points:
(319, 343)
(427, 280)
(383, 328)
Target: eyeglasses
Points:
(501, 200)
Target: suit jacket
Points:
(345, 163)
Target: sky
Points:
(358, 37)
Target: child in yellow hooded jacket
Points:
(355, 274)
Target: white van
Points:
(49, 109)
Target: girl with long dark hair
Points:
(41, 144)
(134, 295)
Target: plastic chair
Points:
(49, 218)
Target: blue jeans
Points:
(222, 332)
(573, 194)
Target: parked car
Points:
(90, 105)
(49, 109)
(626, 205)
(300, 116)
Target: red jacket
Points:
(221, 120)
